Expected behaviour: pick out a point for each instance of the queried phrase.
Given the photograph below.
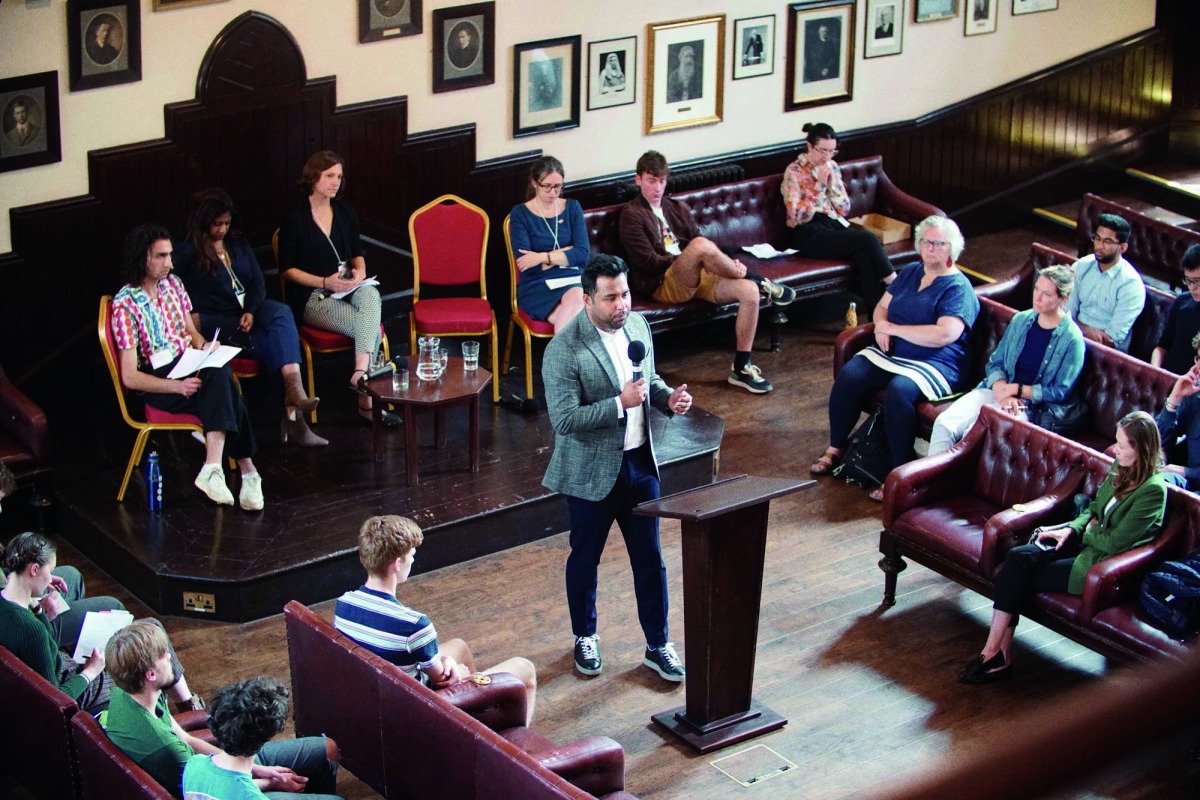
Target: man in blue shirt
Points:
(1109, 293)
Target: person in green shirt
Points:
(139, 724)
(243, 717)
(27, 633)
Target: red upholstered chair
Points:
(449, 240)
(318, 340)
(530, 328)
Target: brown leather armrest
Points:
(499, 705)
(896, 203)
(850, 342)
(22, 418)
(192, 720)
(1118, 578)
(595, 764)
(930, 479)
(1010, 527)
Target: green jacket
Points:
(1134, 521)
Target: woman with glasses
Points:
(920, 351)
(550, 246)
(1033, 370)
(817, 204)
(1176, 351)
(229, 295)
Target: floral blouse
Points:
(805, 196)
(152, 325)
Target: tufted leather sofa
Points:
(1016, 292)
(24, 434)
(752, 212)
(403, 740)
(954, 513)
(1112, 383)
(104, 770)
(1156, 248)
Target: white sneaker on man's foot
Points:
(211, 481)
(251, 496)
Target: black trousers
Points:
(218, 404)
(823, 237)
(1029, 569)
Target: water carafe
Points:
(429, 361)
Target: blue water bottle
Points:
(153, 482)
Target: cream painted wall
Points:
(938, 67)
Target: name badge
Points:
(161, 358)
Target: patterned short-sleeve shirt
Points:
(149, 324)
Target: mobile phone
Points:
(1045, 544)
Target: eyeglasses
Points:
(826, 151)
(934, 243)
(1191, 283)
(1104, 240)
(551, 187)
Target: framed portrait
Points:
(29, 131)
(753, 47)
(932, 10)
(1033, 6)
(464, 46)
(684, 82)
(104, 42)
(546, 83)
(612, 72)
(883, 29)
(980, 17)
(167, 5)
(820, 57)
(388, 19)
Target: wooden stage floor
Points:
(247, 565)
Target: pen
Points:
(216, 333)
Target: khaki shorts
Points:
(674, 291)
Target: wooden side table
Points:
(456, 386)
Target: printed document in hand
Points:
(194, 360)
(766, 251)
(98, 628)
(365, 282)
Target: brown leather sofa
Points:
(105, 771)
(752, 212)
(38, 747)
(1156, 248)
(1112, 383)
(1016, 292)
(24, 436)
(954, 513)
(467, 741)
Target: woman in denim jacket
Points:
(1032, 372)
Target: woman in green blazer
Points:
(1127, 512)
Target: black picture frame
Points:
(104, 43)
(41, 141)
(379, 20)
(820, 53)
(546, 85)
(465, 63)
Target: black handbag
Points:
(867, 459)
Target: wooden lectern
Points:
(724, 541)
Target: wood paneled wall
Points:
(257, 117)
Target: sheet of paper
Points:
(366, 282)
(98, 628)
(766, 251)
(558, 283)
(194, 360)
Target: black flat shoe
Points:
(389, 420)
(979, 672)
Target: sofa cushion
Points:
(1126, 625)
(951, 529)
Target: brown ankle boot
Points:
(297, 432)
(295, 396)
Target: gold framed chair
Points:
(530, 328)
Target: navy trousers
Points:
(590, 523)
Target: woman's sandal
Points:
(826, 463)
(876, 494)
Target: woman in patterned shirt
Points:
(152, 326)
(817, 204)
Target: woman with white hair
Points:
(920, 351)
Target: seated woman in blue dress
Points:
(550, 246)
(920, 352)
(228, 293)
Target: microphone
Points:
(637, 351)
(399, 362)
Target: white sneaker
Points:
(211, 481)
(251, 496)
